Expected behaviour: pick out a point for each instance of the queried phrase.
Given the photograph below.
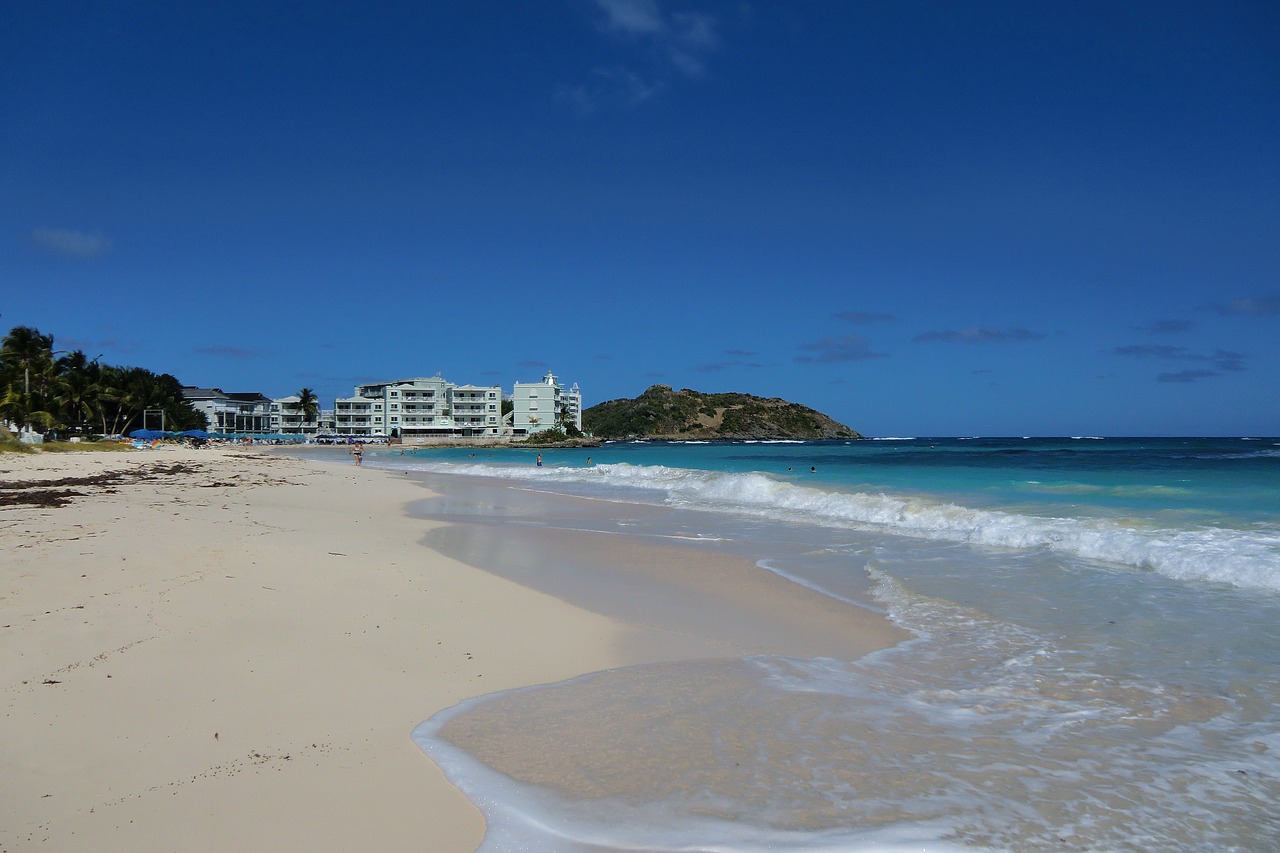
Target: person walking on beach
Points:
(358, 453)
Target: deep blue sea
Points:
(1096, 663)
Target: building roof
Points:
(191, 392)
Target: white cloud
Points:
(636, 17)
(675, 44)
(695, 31)
(67, 242)
(609, 86)
(1254, 306)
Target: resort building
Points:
(231, 413)
(288, 418)
(400, 409)
(538, 406)
(406, 408)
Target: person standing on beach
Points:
(358, 453)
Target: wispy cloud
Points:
(1225, 359)
(227, 351)
(865, 318)
(691, 38)
(615, 85)
(633, 17)
(1166, 327)
(1221, 360)
(1152, 351)
(1187, 376)
(672, 46)
(87, 345)
(76, 244)
(836, 350)
(737, 358)
(1267, 305)
(978, 335)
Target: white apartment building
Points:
(287, 418)
(231, 413)
(545, 405)
(419, 407)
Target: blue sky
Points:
(921, 218)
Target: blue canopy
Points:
(194, 433)
(146, 434)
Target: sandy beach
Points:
(227, 649)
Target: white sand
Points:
(239, 666)
(233, 656)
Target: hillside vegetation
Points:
(663, 413)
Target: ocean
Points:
(1094, 662)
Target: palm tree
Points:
(128, 392)
(26, 410)
(76, 397)
(309, 407)
(25, 349)
(77, 390)
(27, 366)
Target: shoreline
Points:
(217, 648)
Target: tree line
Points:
(67, 393)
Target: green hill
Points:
(661, 412)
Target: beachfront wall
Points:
(423, 406)
(538, 406)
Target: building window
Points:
(395, 393)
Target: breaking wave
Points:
(1247, 557)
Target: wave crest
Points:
(1245, 558)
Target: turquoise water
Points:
(1189, 508)
(1096, 666)
(1226, 478)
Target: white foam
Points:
(524, 818)
(1241, 557)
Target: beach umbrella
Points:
(146, 434)
(194, 433)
